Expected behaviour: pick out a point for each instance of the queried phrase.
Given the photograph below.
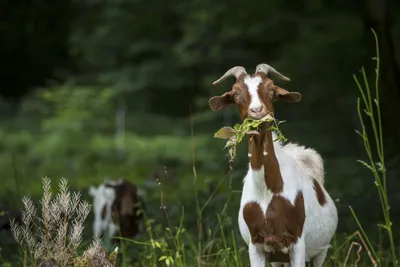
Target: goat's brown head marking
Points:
(255, 94)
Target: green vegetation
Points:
(120, 89)
(172, 243)
(248, 126)
(373, 112)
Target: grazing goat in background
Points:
(286, 215)
(118, 198)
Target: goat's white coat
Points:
(252, 85)
(307, 157)
(298, 168)
(103, 196)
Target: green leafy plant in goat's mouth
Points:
(248, 126)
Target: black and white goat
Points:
(118, 198)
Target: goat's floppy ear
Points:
(220, 102)
(92, 191)
(287, 96)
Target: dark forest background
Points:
(113, 88)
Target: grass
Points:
(204, 240)
(376, 164)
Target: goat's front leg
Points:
(280, 264)
(319, 259)
(256, 255)
(298, 254)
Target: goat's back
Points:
(309, 160)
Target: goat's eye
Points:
(271, 92)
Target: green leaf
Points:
(381, 168)
(224, 133)
(157, 244)
(365, 164)
(162, 258)
(248, 127)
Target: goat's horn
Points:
(265, 68)
(235, 71)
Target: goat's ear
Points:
(287, 96)
(221, 102)
(92, 191)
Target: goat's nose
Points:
(257, 109)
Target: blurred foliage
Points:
(113, 83)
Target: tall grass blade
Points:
(375, 166)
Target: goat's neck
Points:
(262, 154)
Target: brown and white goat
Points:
(286, 215)
(118, 198)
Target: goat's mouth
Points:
(265, 117)
(266, 121)
(257, 116)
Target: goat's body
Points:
(298, 165)
(103, 199)
(285, 215)
(121, 199)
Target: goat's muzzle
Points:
(258, 113)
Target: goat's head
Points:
(255, 94)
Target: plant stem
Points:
(379, 172)
(199, 212)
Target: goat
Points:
(286, 216)
(121, 199)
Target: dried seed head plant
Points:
(53, 238)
